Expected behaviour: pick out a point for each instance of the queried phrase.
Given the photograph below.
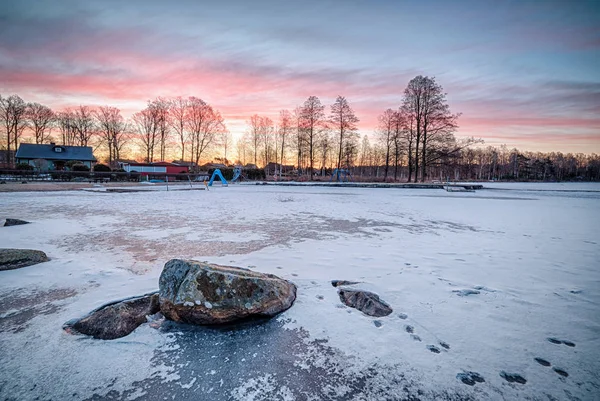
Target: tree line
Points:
(414, 142)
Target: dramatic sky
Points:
(524, 73)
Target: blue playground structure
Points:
(341, 175)
(217, 173)
(237, 172)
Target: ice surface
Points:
(485, 278)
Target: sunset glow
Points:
(525, 74)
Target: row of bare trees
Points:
(189, 123)
(419, 133)
(315, 138)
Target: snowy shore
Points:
(478, 282)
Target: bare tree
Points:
(66, 126)
(40, 119)
(147, 128)
(163, 124)
(313, 122)
(343, 121)
(13, 114)
(266, 135)
(204, 125)
(83, 125)
(178, 110)
(429, 118)
(385, 133)
(300, 137)
(255, 124)
(226, 140)
(113, 131)
(283, 132)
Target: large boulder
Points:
(203, 293)
(17, 258)
(116, 319)
(14, 222)
(367, 302)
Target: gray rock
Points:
(367, 302)
(14, 222)
(17, 258)
(203, 293)
(116, 319)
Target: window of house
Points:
(58, 150)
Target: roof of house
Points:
(33, 151)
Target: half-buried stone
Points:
(14, 222)
(116, 319)
(367, 302)
(16, 258)
(203, 293)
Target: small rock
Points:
(367, 302)
(186, 287)
(338, 283)
(14, 222)
(116, 319)
(16, 258)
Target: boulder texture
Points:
(14, 222)
(202, 293)
(116, 319)
(17, 258)
(365, 301)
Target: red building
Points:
(158, 169)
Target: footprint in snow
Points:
(415, 337)
(433, 349)
(513, 377)
(470, 378)
(554, 340)
(409, 329)
(444, 345)
(465, 293)
(320, 297)
(561, 372)
(403, 316)
(377, 323)
(542, 362)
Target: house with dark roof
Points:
(55, 155)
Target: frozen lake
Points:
(479, 282)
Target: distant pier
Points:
(466, 187)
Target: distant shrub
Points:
(24, 166)
(254, 174)
(101, 168)
(80, 167)
(69, 164)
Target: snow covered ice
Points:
(496, 294)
